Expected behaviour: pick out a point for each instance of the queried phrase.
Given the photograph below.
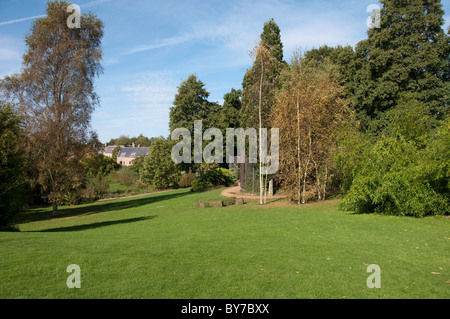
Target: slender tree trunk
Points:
(253, 179)
(298, 153)
(55, 209)
(260, 127)
(304, 182)
(266, 187)
(271, 187)
(325, 182)
(319, 192)
(305, 175)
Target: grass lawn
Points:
(162, 246)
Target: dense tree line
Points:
(371, 120)
(141, 140)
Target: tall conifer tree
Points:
(407, 57)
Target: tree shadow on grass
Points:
(93, 225)
(45, 213)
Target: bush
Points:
(186, 180)
(216, 177)
(96, 188)
(126, 176)
(401, 179)
(71, 198)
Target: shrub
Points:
(200, 185)
(126, 176)
(402, 179)
(186, 180)
(216, 177)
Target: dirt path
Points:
(236, 192)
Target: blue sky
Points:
(150, 47)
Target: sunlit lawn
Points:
(162, 246)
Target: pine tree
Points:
(190, 104)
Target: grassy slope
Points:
(161, 246)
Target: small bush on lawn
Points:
(126, 176)
(186, 180)
(216, 177)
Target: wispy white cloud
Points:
(238, 30)
(151, 88)
(8, 54)
(93, 3)
(22, 19)
(165, 42)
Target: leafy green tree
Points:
(190, 104)
(158, 169)
(341, 57)
(98, 165)
(137, 164)
(11, 166)
(142, 140)
(229, 114)
(407, 54)
(121, 140)
(115, 153)
(55, 92)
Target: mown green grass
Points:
(162, 246)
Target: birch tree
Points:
(310, 109)
(259, 86)
(55, 93)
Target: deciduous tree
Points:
(310, 110)
(55, 92)
(158, 169)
